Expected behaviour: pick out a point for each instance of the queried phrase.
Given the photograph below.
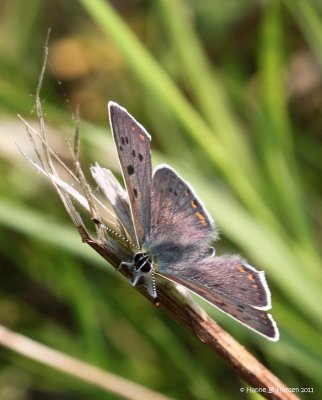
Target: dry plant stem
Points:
(79, 369)
(214, 337)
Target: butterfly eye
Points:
(137, 257)
(146, 267)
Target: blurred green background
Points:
(232, 95)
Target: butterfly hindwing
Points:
(116, 196)
(254, 318)
(226, 275)
(133, 147)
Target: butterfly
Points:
(172, 232)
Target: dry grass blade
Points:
(79, 369)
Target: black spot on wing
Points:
(135, 192)
(130, 169)
(140, 157)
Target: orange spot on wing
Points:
(193, 204)
(202, 218)
(142, 137)
(254, 286)
(250, 277)
(241, 269)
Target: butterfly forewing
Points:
(133, 147)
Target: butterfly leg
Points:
(145, 279)
(140, 276)
(128, 266)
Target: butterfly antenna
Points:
(154, 285)
(113, 232)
